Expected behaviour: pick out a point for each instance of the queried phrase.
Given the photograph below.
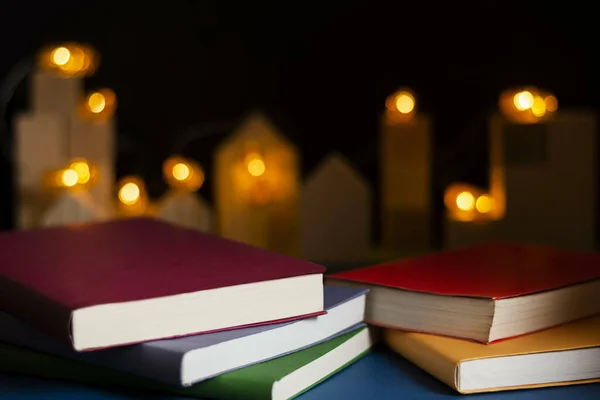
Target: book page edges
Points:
(536, 386)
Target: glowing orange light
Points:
(132, 197)
(60, 56)
(405, 102)
(551, 103)
(465, 201)
(83, 170)
(523, 100)
(181, 173)
(69, 60)
(526, 105)
(96, 102)
(255, 165)
(400, 106)
(538, 107)
(129, 193)
(69, 177)
(98, 106)
(484, 204)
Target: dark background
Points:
(186, 71)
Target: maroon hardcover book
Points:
(128, 281)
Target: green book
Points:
(282, 378)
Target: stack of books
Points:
(146, 305)
(493, 317)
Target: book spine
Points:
(39, 311)
(439, 365)
(149, 360)
(144, 359)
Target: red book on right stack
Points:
(484, 293)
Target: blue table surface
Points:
(379, 375)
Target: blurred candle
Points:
(405, 157)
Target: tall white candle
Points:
(52, 93)
(406, 176)
(544, 177)
(41, 146)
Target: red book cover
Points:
(494, 270)
(46, 274)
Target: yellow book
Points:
(564, 355)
